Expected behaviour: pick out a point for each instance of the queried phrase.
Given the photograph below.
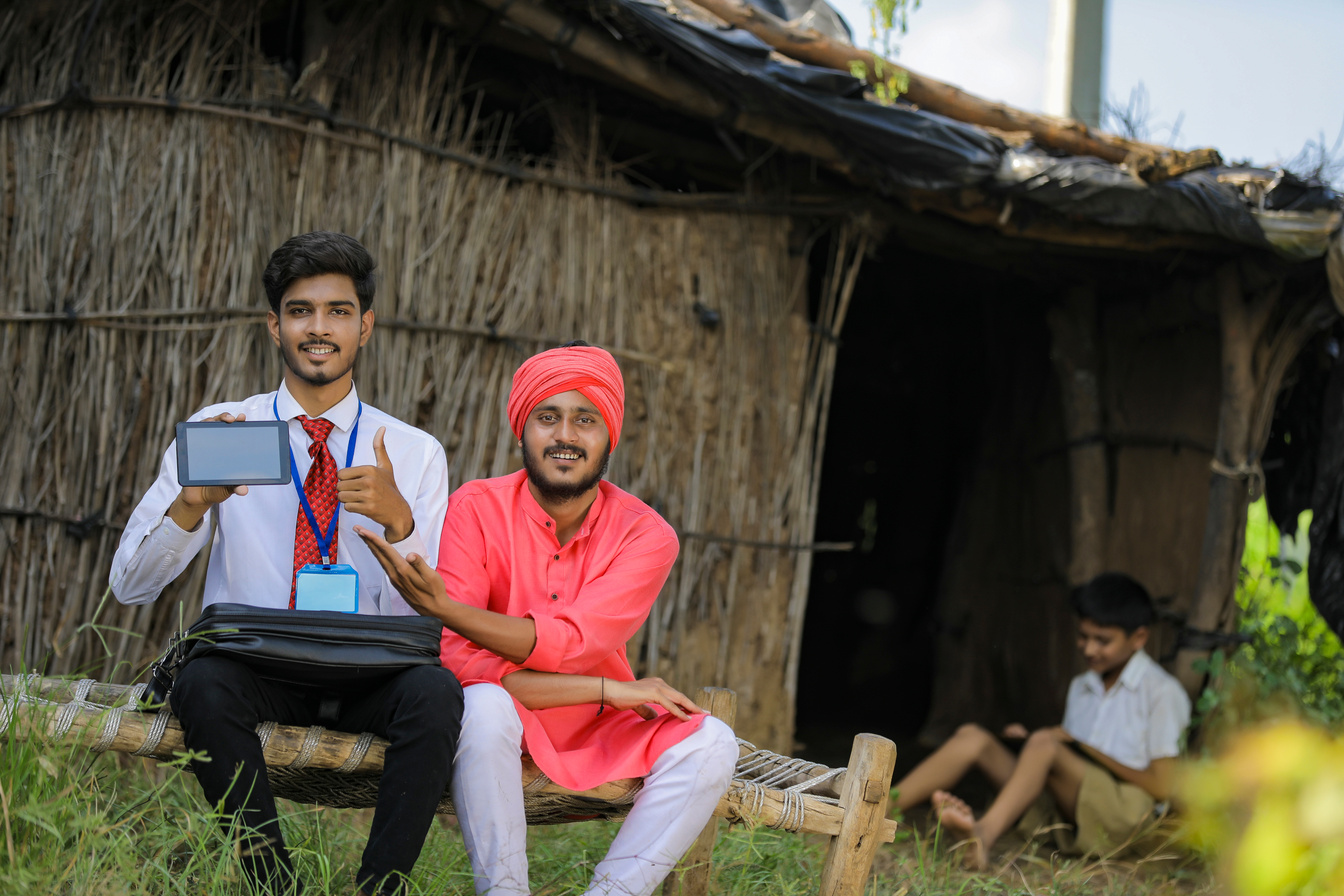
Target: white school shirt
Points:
(1141, 718)
(252, 555)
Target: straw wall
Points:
(132, 239)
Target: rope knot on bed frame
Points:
(759, 772)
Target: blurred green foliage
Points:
(1265, 800)
(1269, 810)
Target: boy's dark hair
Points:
(1113, 598)
(314, 254)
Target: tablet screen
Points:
(243, 453)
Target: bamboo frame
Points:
(285, 747)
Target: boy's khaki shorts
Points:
(1111, 817)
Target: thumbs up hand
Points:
(372, 491)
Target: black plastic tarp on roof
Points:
(899, 147)
(889, 147)
(1098, 191)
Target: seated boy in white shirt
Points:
(1105, 767)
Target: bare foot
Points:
(955, 815)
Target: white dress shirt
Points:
(1141, 718)
(252, 555)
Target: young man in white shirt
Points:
(376, 472)
(1105, 767)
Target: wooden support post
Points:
(1262, 335)
(1076, 351)
(1242, 321)
(864, 801)
(691, 876)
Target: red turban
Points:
(585, 368)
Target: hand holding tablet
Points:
(215, 452)
(223, 455)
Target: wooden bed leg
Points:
(691, 876)
(864, 799)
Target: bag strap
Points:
(163, 671)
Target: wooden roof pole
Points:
(808, 45)
(628, 66)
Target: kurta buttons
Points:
(548, 524)
(555, 597)
(557, 556)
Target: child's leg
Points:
(1044, 762)
(971, 747)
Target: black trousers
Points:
(220, 702)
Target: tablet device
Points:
(243, 453)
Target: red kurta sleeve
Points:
(612, 604)
(462, 565)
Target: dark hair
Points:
(1113, 598)
(575, 343)
(314, 254)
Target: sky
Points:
(1255, 79)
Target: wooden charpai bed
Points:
(341, 770)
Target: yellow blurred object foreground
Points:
(1270, 808)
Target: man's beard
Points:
(293, 357)
(562, 492)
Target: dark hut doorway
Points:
(923, 344)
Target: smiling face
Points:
(565, 447)
(1107, 648)
(320, 330)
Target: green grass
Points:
(75, 823)
(922, 863)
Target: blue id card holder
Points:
(334, 586)
(324, 586)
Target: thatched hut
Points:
(1037, 349)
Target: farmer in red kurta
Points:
(543, 576)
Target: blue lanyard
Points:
(323, 540)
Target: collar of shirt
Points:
(539, 516)
(341, 414)
(1130, 676)
(1135, 670)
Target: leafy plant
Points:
(1267, 807)
(886, 18)
(1291, 662)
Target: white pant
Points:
(677, 800)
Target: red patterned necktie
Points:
(320, 489)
